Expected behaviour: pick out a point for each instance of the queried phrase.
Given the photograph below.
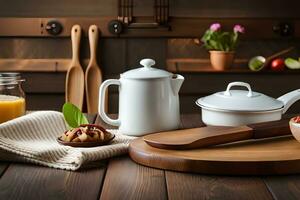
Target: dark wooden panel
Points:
(149, 48)
(113, 104)
(21, 181)
(191, 186)
(44, 82)
(237, 8)
(127, 180)
(48, 8)
(265, 83)
(187, 103)
(204, 8)
(112, 54)
(187, 48)
(191, 121)
(44, 101)
(284, 187)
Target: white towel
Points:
(32, 138)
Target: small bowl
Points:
(253, 63)
(295, 129)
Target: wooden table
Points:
(121, 178)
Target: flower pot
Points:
(221, 60)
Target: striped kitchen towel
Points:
(32, 138)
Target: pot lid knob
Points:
(147, 62)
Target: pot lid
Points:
(239, 100)
(147, 71)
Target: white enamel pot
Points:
(148, 100)
(241, 107)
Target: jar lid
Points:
(10, 78)
(147, 71)
(240, 100)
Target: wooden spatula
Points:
(75, 75)
(93, 74)
(214, 135)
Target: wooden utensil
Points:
(214, 135)
(276, 55)
(93, 74)
(75, 75)
(259, 63)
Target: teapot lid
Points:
(147, 71)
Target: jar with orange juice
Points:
(12, 96)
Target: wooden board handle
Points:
(271, 129)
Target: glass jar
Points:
(12, 96)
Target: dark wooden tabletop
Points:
(121, 178)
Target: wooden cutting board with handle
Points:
(280, 155)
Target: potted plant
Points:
(221, 45)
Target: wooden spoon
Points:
(266, 61)
(215, 135)
(276, 55)
(93, 74)
(75, 75)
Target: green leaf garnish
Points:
(73, 116)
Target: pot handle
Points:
(289, 99)
(247, 85)
(101, 108)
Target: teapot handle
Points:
(101, 109)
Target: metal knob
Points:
(115, 27)
(54, 27)
(284, 29)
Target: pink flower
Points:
(215, 27)
(238, 29)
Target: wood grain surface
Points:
(3, 167)
(124, 179)
(190, 186)
(284, 187)
(27, 181)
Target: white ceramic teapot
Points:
(148, 100)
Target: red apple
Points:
(277, 64)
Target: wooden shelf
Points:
(179, 27)
(36, 65)
(191, 65)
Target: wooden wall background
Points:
(46, 90)
(179, 8)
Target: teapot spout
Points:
(176, 83)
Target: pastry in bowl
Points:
(86, 135)
(82, 134)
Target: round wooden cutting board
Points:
(259, 157)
